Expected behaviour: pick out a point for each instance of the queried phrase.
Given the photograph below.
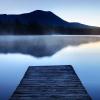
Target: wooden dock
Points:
(50, 83)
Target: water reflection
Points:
(40, 46)
(84, 57)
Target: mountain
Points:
(40, 23)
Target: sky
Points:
(83, 11)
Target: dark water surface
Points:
(17, 53)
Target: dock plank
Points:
(50, 83)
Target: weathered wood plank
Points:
(50, 83)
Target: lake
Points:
(19, 52)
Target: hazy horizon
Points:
(83, 11)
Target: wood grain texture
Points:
(50, 83)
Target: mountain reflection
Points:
(41, 46)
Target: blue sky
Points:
(84, 11)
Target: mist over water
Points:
(40, 46)
(83, 53)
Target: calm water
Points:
(81, 52)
